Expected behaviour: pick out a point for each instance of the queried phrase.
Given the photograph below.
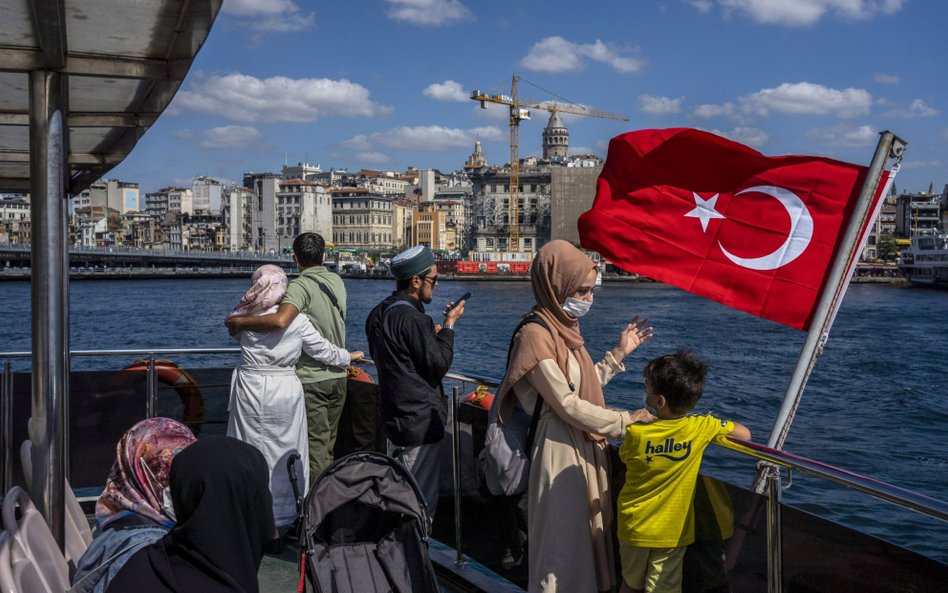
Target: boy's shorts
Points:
(656, 570)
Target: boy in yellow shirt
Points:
(655, 513)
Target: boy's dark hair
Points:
(679, 377)
(309, 249)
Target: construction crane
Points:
(520, 110)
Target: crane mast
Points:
(519, 112)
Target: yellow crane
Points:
(520, 110)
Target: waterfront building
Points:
(572, 192)
(555, 138)
(920, 212)
(302, 207)
(169, 200)
(206, 194)
(238, 206)
(331, 178)
(386, 183)
(402, 210)
(489, 224)
(362, 220)
(15, 220)
(304, 171)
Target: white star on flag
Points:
(704, 210)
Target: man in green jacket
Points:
(321, 296)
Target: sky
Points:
(384, 84)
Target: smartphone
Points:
(464, 297)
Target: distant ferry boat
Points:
(925, 261)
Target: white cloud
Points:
(805, 98)
(801, 13)
(709, 110)
(430, 13)
(226, 137)
(448, 90)
(269, 16)
(372, 157)
(885, 79)
(423, 138)
(745, 135)
(654, 105)
(917, 108)
(555, 54)
(843, 135)
(908, 163)
(240, 97)
(702, 6)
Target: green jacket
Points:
(305, 294)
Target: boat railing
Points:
(461, 383)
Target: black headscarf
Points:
(221, 497)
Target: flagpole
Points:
(890, 146)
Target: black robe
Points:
(221, 497)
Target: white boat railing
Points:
(889, 493)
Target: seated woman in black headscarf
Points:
(221, 497)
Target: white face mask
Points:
(166, 505)
(576, 307)
(649, 408)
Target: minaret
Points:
(555, 138)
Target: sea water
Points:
(875, 403)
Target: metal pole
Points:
(49, 295)
(6, 413)
(774, 534)
(829, 298)
(456, 426)
(150, 386)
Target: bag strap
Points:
(330, 295)
(88, 582)
(535, 418)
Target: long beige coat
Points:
(569, 493)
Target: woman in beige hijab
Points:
(570, 503)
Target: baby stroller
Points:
(365, 529)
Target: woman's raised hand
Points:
(631, 337)
(356, 355)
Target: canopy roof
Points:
(123, 62)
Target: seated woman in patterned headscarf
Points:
(134, 510)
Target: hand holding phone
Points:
(464, 297)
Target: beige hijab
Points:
(558, 270)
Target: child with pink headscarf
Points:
(266, 397)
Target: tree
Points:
(887, 248)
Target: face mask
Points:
(576, 307)
(166, 505)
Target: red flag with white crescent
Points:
(721, 220)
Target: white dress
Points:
(266, 406)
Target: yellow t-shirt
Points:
(662, 461)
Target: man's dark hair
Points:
(405, 283)
(679, 377)
(308, 249)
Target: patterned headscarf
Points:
(269, 286)
(140, 473)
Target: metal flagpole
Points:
(890, 146)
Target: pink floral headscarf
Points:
(140, 472)
(269, 286)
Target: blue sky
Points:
(383, 84)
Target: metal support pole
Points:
(150, 386)
(49, 295)
(6, 414)
(774, 534)
(456, 426)
(829, 299)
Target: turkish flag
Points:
(721, 220)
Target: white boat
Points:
(925, 261)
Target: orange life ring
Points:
(173, 375)
(479, 397)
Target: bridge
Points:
(125, 262)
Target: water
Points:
(875, 403)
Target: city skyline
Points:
(385, 84)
